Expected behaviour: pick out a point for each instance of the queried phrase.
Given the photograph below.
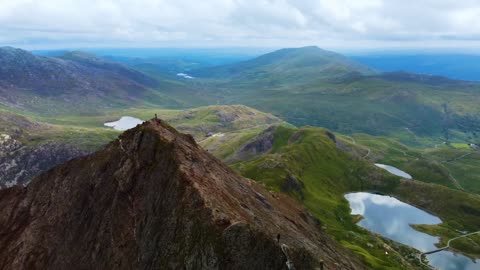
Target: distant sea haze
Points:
(454, 66)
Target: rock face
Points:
(153, 199)
(261, 144)
(19, 163)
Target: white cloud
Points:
(278, 23)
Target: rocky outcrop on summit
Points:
(153, 199)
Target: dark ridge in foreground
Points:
(153, 199)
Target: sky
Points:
(331, 24)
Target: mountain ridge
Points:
(153, 198)
(75, 81)
(55, 70)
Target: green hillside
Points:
(309, 165)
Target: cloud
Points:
(255, 23)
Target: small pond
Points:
(394, 170)
(184, 75)
(391, 218)
(124, 123)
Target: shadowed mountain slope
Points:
(74, 82)
(46, 76)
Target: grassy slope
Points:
(89, 131)
(372, 106)
(324, 175)
(456, 166)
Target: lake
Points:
(124, 123)
(394, 170)
(184, 75)
(391, 218)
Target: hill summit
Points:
(153, 199)
(305, 63)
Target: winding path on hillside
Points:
(412, 133)
(351, 138)
(354, 142)
(368, 153)
(459, 157)
(454, 180)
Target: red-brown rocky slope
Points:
(153, 199)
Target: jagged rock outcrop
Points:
(261, 144)
(293, 186)
(24, 155)
(153, 199)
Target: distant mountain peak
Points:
(153, 199)
(310, 47)
(304, 48)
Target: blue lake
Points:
(391, 218)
